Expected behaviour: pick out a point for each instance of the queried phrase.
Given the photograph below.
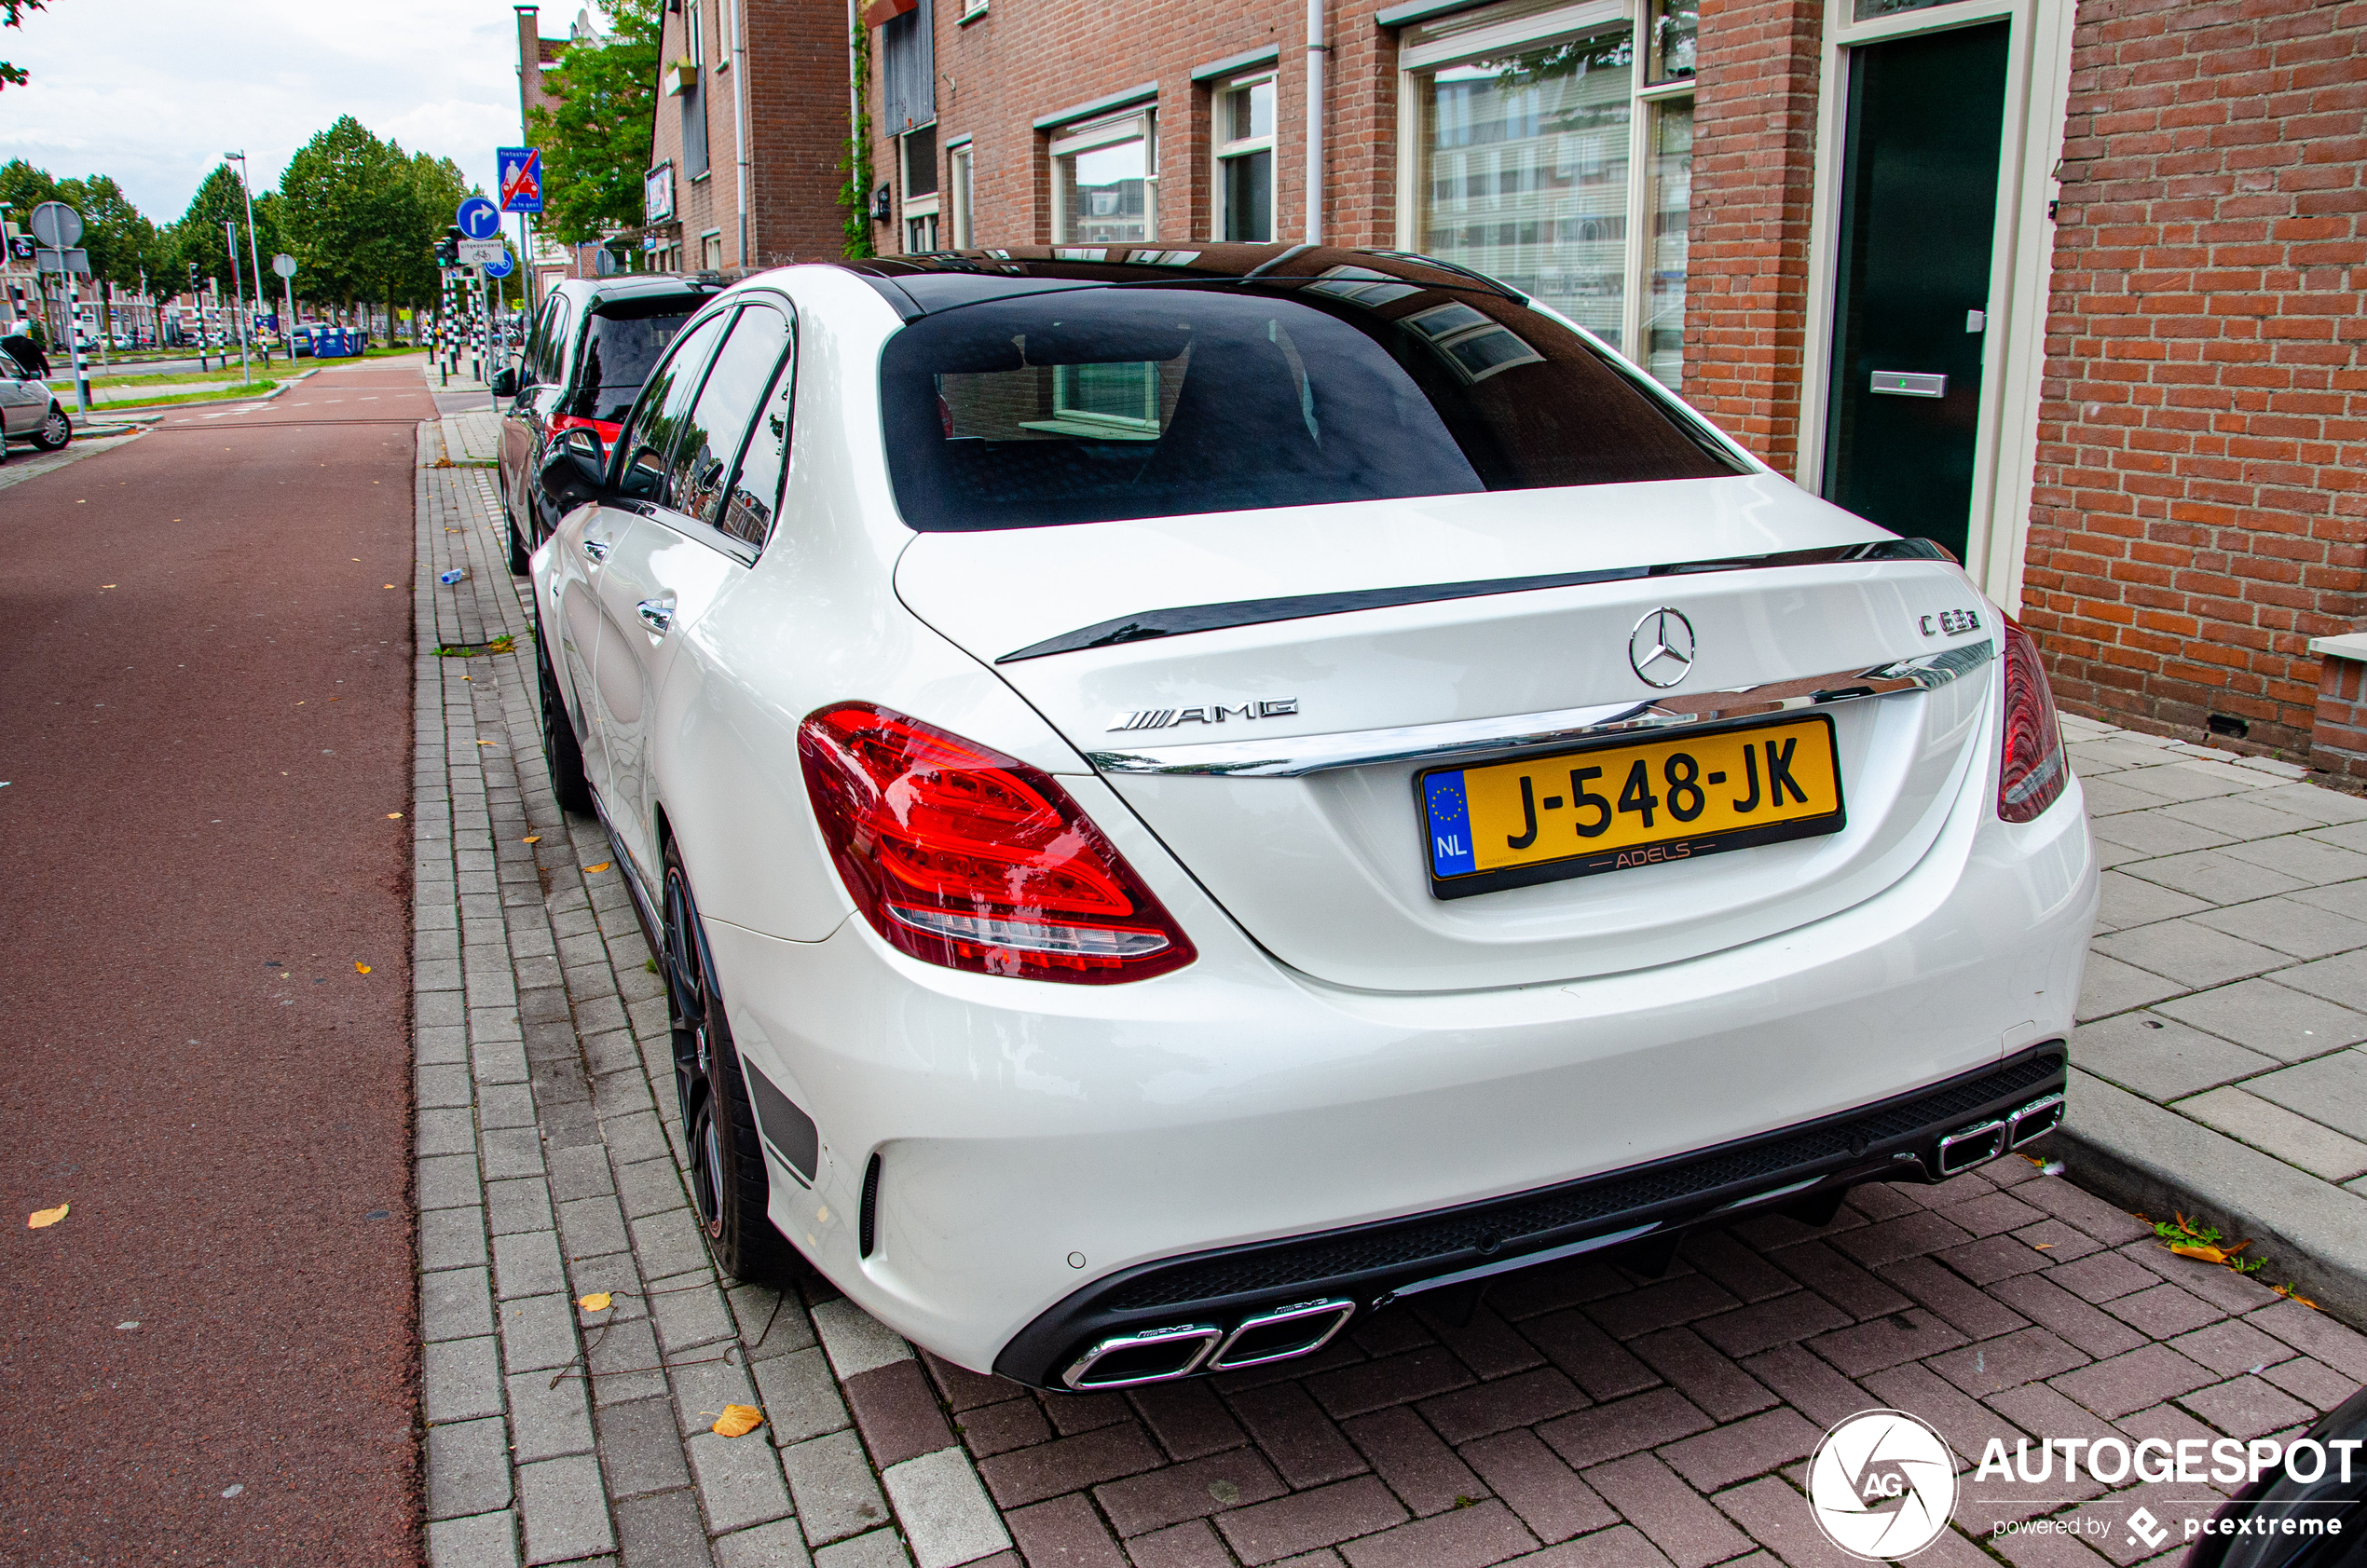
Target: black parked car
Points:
(586, 358)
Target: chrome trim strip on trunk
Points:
(1185, 618)
(1296, 756)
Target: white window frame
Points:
(694, 33)
(2014, 343)
(1127, 125)
(1223, 151)
(1513, 26)
(711, 241)
(961, 194)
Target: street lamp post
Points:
(255, 259)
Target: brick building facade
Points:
(2071, 286)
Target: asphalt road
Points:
(205, 694)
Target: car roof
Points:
(597, 292)
(943, 280)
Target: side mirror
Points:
(505, 382)
(575, 471)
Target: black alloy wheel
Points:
(729, 1185)
(55, 431)
(561, 751)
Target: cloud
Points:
(154, 91)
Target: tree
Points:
(24, 187)
(12, 15)
(198, 236)
(596, 146)
(349, 209)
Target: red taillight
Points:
(606, 429)
(961, 857)
(2031, 766)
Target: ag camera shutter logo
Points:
(1881, 1484)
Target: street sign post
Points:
(285, 266)
(478, 218)
(59, 226)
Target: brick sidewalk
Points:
(1582, 1416)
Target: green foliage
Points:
(12, 15)
(596, 146)
(198, 236)
(24, 187)
(854, 196)
(121, 241)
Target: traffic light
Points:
(193, 277)
(447, 249)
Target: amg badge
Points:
(1214, 713)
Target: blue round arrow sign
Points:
(478, 218)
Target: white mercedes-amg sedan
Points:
(1188, 794)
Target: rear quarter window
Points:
(1097, 404)
(622, 344)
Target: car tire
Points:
(730, 1187)
(518, 563)
(561, 751)
(55, 431)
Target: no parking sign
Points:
(521, 178)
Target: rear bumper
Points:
(1918, 1137)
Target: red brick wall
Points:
(1754, 174)
(2198, 512)
(1029, 58)
(2339, 742)
(797, 128)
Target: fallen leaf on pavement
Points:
(361, 968)
(390, 585)
(595, 870)
(598, 1300)
(42, 1218)
(531, 839)
(394, 816)
(738, 1421)
(2208, 1254)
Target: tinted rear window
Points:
(1101, 403)
(620, 346)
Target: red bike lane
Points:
(205, 735)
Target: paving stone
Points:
(459, 1379)
(1858, 1294)
(1085, 1413)
(768, 1545)
(2150, 833)
(2109, 987)
(641, 1450)
(1168, 1495)
(799, 1397)
(832, 1485)
(2331, 1090)
(1488, 1345)
(456, 1304)
(1591, 1437)
(1702, 1373)
(879, 1549)
(943, 1510)
(1064, 1531)
(663, 1532)
(1808, 1383)
(1920, 1232)
(1306, 1520)
(897, 1412)
(2247, 1407)
(522, 1205)
(1472, 1537)
(2271, 1018)
(591, 1227)
(527, 1265)
(2315, 1334)
(856, 1341)
(537, 1333)
(2090, 1330)
(704, 1384)
(2131, 901)
(1425, 1473)
(1349, 1391)
(1747, 1330)
(1186, 1418)
(2131, 1382)
(2161, 1060)
(1523, 1399)
(739, 1478)
(2310, 1381)
(2290, 926)
(1779, 1519)
(487, 1541)
(1594, 1362)
(1750, 1446)
(468, 1468)
(548, 1420)
(1652, 1497)
(564, 1514)
(1664, 1304)
(2193, 954)
(451, 1238)
(689, 1311)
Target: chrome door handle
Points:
(598, 549)
(657, 614)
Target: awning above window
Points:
(879, 13)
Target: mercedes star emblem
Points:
(1661, 647)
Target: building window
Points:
(1551, 161)
(1104, 190)
(920, 228)
(711, 251)
(960, 190)
(693, 33)
(908, 70)
(1670, 182)
(1243, 136)
(920, 161)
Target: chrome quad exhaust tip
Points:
(1967, 1147)
(1163, 1354)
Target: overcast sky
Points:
(154, 91)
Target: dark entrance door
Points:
(1919, 211)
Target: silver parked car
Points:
(29, 410)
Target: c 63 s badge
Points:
(1950, 624)
(1211, 713)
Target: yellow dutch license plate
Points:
(1505, 825)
